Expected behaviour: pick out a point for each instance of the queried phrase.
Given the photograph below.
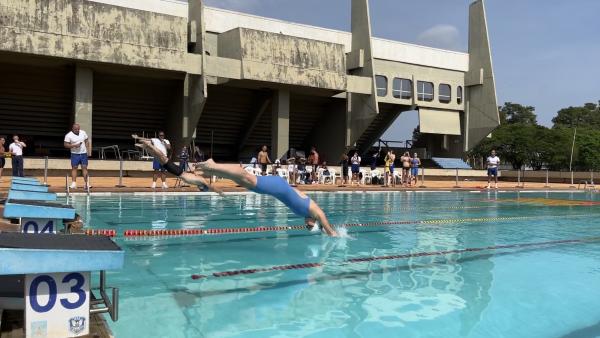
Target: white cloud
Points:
(236, 5)
(441, 36)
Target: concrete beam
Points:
(280, 127)
(83, 98)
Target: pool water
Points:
(435, 275)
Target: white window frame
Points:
(421, 95)
(399, 93)
(447, 98)
(381, 88)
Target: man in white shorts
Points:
(492, 164)
(77, 140)
(164, 146)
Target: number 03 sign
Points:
(57, 304)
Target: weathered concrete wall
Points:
(363, 107)
(283, 59)
(482, 106)
(85, 30)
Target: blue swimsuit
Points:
(281, 190)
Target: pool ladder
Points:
(104, 304)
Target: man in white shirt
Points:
(164, 146)
(16, 149)
(355, 166)
(77, 140)
(493, 162)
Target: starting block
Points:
(31, 195)
(49, 276)
(38, 217)
(30, 187)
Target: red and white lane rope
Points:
(240, 230)
(390, 257)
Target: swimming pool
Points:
(418, 264)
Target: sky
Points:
(545, 52)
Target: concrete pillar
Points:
(280, 125)
(186, 111)
(82, 99)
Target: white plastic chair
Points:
(282, 173)
(364, 173)
(375, 174)
(330, 177)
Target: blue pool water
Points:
(530, 291)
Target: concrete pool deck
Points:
(142, 184)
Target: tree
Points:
(514, 113)
(588, 115)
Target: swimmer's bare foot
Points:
(206, 166)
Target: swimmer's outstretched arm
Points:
(317, 213)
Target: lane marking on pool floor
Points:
(390, 257)
(275, 228)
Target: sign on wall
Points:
(39, 225)
(57, 304)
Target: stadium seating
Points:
(451, 163)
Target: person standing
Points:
(263, 160)
(78, 142)
(164, 146)
(355, 164)
(344, 161)
(313, 160)
(414, 168)
(493, 162)
(16, 149)
(184, 157)
(2, 160)
(405, 159)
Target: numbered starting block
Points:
(49, 277)
(31, 195)
(38, 217)
(36, 187)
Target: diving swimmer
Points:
(275, 186)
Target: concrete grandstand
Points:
(231, 79)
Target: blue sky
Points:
(545, 52)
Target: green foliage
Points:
(586, 116)
(514, 113)
(521, 142)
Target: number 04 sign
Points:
(57, 304)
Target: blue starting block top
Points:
(30, 187)
(43, 253)
(31, 195)
(25, 179)
(36, 209)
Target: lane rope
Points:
(389, 257)
(260, 229)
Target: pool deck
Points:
(142, 184)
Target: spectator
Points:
(16, 150)
(2, 154)
(313, 160)
(78, 142)
(492, 164)
(390, 157)
(374, 159)
(275, 166)
(198, 155)
(164, 146)
(263, 160)
(414, 168)
(344, 163)
(292, 170)
(405, 159)
(302, 170)
(355, 163)
(184, 157)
